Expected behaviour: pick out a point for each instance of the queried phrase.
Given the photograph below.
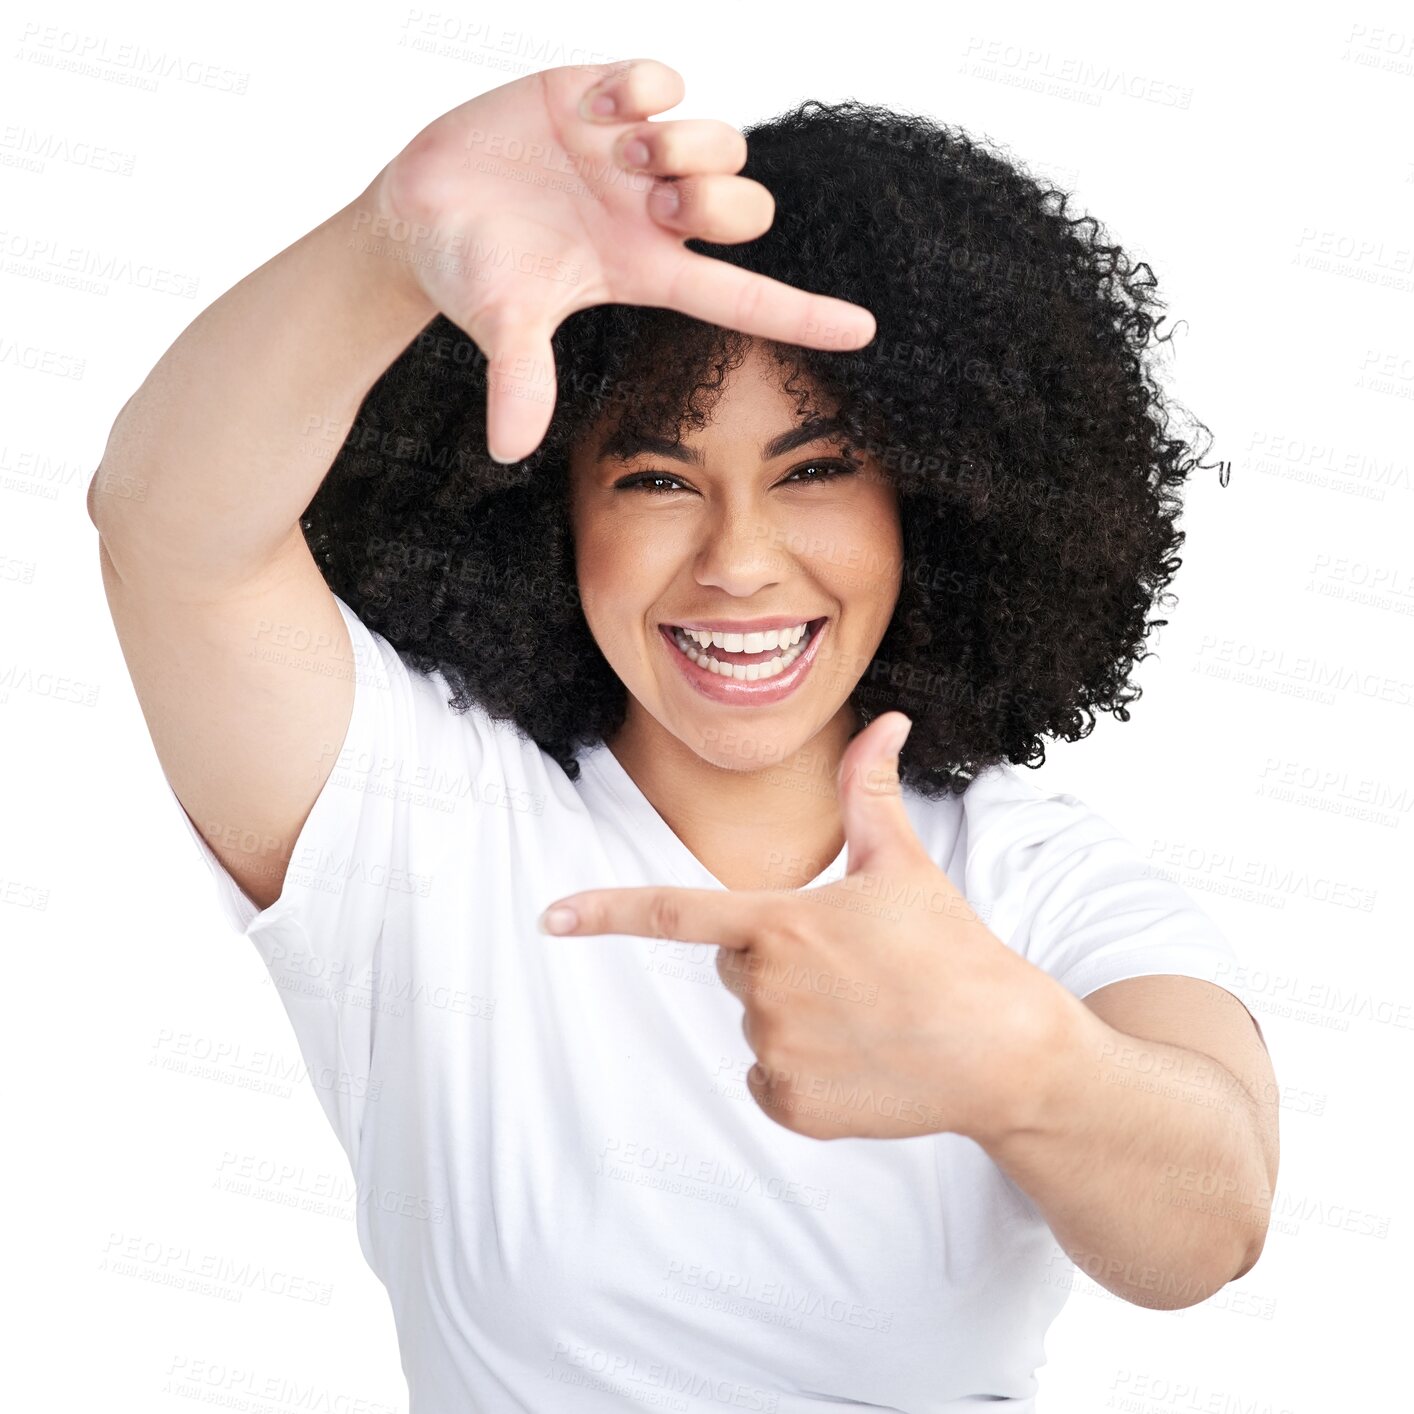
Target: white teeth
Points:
(747, 642)
(690, 640)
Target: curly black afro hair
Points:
(1009, 392)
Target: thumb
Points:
(520, 387)
(871, 797)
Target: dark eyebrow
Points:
(624, 448)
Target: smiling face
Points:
(754, 525)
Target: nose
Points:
(739, 553)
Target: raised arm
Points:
(237, 650)
(236, 647)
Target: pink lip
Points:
(746, 694)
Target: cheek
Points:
(619, 572)
(593, 567)
(856, 550)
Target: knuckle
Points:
(624, 76)
(497, 321)
(774, 1098)
(664, 916)
(655, 142)
(704, 197)
(748, 301)
(779, 928)
(770, 1042)
(756, 1027)
(694, 197)
(416, 177)
(879, 779)
(664, 154)
(754, 990)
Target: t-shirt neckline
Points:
(645, 821)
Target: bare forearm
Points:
(1145, 1160)
(211, 462)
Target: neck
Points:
(753, 826)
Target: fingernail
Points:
(665, 199)
(598, 105)
(558, 919)
(635, 153)
(901, 736)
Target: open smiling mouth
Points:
(735, 675)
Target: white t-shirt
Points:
(564, 1183)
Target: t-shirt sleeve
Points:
(1099, 912)
(321, 940)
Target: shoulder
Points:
(423, 741)
(420, 699)
(1007, 814)
(1076, 895)
(1002, 834)
(1031, 852)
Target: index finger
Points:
(730, 918)
(719, 293)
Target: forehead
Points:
(749, 413)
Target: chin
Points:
(744, 746)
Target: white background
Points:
(1261, 163)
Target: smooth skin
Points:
(241, 660)
(721, 531)
(883, 1007)
(238, 653)
(602, 229)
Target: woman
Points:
(648, 661)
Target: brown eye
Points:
(645, 480)
(831, 469)
(639, 482)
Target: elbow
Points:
(111, 508)
(1220, 1266)
(1261, 1185)
(1250, 1239)
(110, 489)
(104, 488)
(93, 498)
(1250, 1253)
(97, 511)
(1193, 1289)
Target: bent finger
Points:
(713, 206)
(638, 88)
(682, 147)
